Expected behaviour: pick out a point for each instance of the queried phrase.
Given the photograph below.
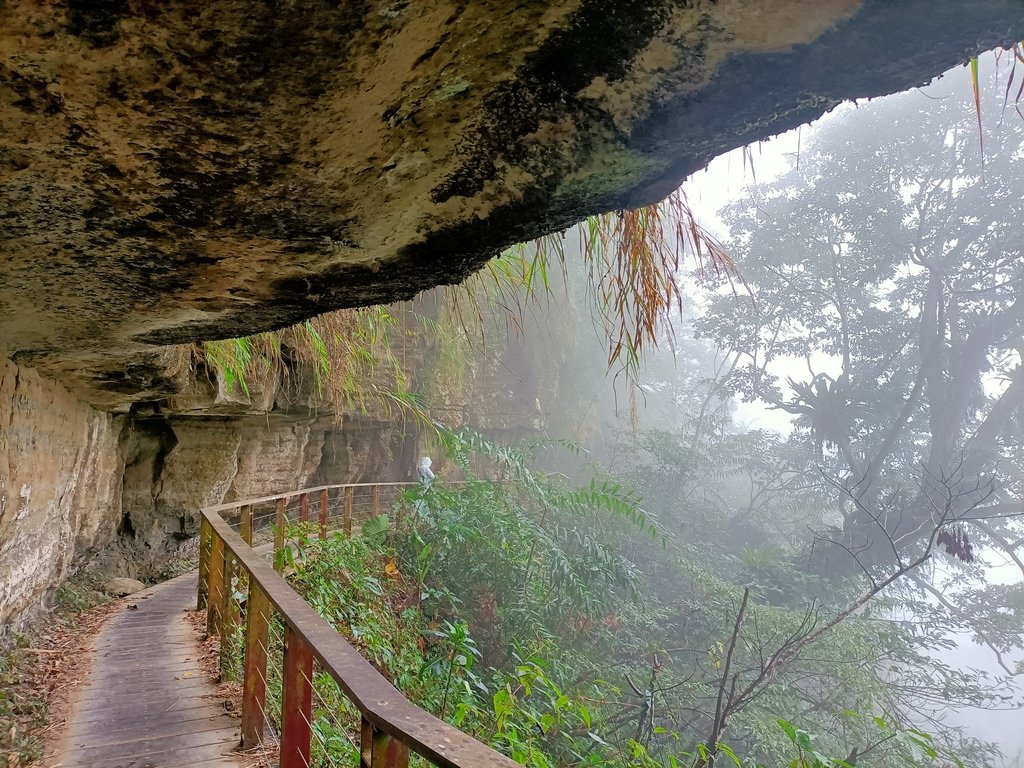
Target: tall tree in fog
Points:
(889, 262)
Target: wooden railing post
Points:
(216, 585)
(378, 749)
(254, 684)
(279, 532)
(297, 703)
(230, 617)
(228, 613)
(245, 524)
(376, 500)
(304, 508)
(205, 539)
(324, 499)
(346, 520)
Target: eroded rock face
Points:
(60, 487)
(185, 170)
(276, 456)
(122, 495)
(177, 465)
(191, 170)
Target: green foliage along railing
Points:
(232, 572)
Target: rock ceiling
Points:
(181, 170)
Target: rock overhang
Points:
(181, 171)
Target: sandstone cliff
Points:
(123, 492)
(60, 485)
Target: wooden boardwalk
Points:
(147, 702)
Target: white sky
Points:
(727, 177)
(723, 181)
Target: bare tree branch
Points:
(718, 726)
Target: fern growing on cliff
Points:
(633, 260)
(343, 360)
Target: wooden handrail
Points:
(392, 725)
(292, 494)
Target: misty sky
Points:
(725, 180)
(728, 176)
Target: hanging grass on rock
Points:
(344, 361)
(357, 360)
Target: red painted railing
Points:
(392, 726)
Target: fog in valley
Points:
(828, 442)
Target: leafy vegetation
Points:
(505, 607)
(632, 261)
(22, 710)
(342, 360)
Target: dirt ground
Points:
(38, 677)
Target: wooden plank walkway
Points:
(147, 703)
